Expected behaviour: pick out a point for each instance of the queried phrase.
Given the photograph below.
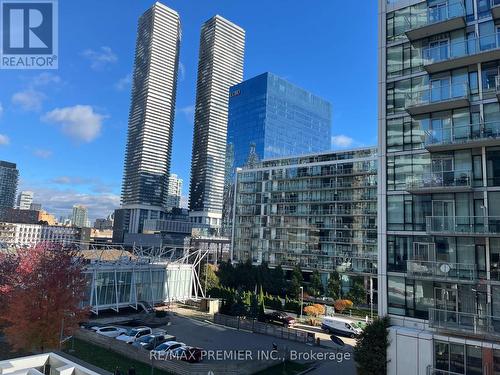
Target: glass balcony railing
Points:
(436, 14)
(473, 225)
(462, 48)
(437, 94)
(443, 180)
(463, 134)
(464, 322)
(441, 270)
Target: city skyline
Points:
(45, 101)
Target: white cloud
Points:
(45, 78)
(60, 201)
(4, 140)
(182, 71)
(42, 153)
(188, 111)
(124, 82)
(342, 141)
(101, 58)
(28, 100)
(79, 122)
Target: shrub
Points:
(273, 302)
(292, 305)
(342, 304)
(314, 310)
(370, 352)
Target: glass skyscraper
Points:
(9, 176)
(439, 147)
(280, 118)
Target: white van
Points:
(339, 326)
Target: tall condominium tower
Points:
(151, 117)
(9, 176)
(220, 66)
(439, 143)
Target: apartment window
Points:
(396, 295)
(493, 165)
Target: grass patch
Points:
(107, 359)
(285, 368)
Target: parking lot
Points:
(230, 345)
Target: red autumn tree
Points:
(41, 290)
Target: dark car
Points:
(280, 318)
(188, 353)
(150, 342)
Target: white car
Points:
(110, 331)
(134, 333)
(166, 347)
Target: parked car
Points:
(134, 333)
(109, 331)
(149, 342)
(280, 318)
(167, 346)
(340, 326)
(188, 353)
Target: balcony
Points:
(462, 137)
(437, 182)
(474, 50)
(495, 9)
(438, 19)
(470, 323)
(443, 271)
(437, 98)
(463, 225)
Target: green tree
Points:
(295, 283)
(261, 315)
(316, 286)
(208, 278)
(277, 286)
(370, 352)
(333, 289)
(226, 274)
(357, 293)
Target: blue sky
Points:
(66, 128)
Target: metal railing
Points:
(455, 49)
(463, 224)
(436, 14)
(436, 94)
(461, 321)
(441, 270)
(442, 179)
(463, 134)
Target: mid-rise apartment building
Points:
(439, 145)
(24, 200)
(174, 191)
(316, 211)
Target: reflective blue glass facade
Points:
(279, 117)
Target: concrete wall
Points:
(410, 351)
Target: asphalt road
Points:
(218, 338)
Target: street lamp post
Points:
(301, 300)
